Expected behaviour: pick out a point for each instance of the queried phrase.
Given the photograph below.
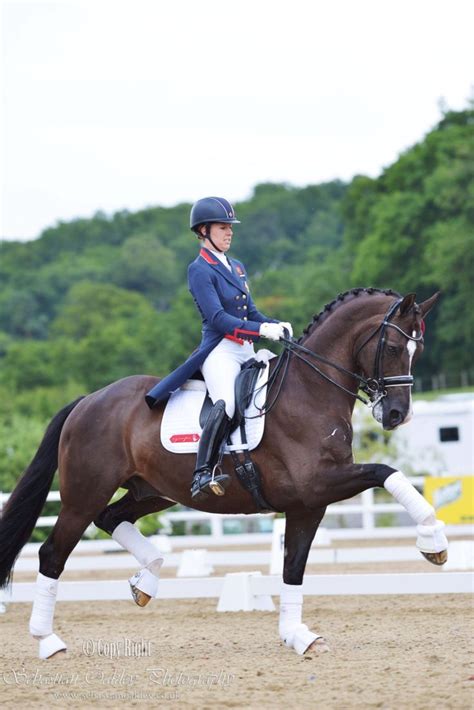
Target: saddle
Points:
(244, 389)
(188, 408)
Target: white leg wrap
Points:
(131, 539)
(431, 538)
(416, 506)
(293, 632)
(145, 581)
(41, 620)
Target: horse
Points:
(366, 340)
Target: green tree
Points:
(146, 265)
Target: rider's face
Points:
(221, 235)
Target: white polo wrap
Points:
(41, 620)
(416, 506)
(131, 539)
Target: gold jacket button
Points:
(245, 318)
(244, 296)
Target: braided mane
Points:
(329, 308)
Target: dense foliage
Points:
(93, 300)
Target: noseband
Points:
(375, 387)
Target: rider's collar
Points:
(222, 258)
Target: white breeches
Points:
(220, 369)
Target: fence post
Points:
(217, 528)
(368, 515)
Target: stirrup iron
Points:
(214, 485)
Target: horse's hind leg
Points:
(117, 520)
(53, 554)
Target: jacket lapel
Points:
(231, 276)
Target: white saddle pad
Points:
(180, 428)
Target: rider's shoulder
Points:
(198, 262)
(198, 267)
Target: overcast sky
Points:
(123, 104)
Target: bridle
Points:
(378, 383)
(375, 387)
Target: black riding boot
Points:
(215, 429)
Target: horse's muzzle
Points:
(393, 415)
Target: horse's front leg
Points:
(300, 531)
(346, 481)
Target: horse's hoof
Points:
(436, 558)
(140, 598)
(144, 586)
(318, 646)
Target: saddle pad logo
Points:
(183, 438)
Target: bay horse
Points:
(366, 338)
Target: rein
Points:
(374, 387)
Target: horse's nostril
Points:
(396, 417)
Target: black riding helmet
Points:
(211, 209)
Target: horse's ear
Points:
(407, 303)
(427, 305)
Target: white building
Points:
(439, 438)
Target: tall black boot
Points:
(215, 429)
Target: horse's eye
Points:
(392, 350)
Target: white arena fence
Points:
(260, 558)
(28, 560)
(368, 508)
(246, 591)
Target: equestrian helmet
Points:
(212, 209)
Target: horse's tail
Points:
(25, 504)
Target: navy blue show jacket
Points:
(227, 310)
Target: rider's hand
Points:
(272, 331)
(288, 327)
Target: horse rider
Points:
(231, 324)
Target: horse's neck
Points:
(334, 335)
(334, 341)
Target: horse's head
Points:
(387, 354)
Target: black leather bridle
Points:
(379, 383)
(375, 387)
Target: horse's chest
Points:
(336, 443)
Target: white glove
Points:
(272, 331)
(288, 326)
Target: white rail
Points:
(321, 585)
(245, 558)
(367, 508)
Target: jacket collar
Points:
(231, 276)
